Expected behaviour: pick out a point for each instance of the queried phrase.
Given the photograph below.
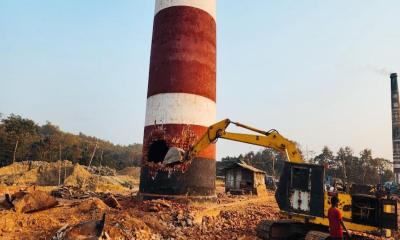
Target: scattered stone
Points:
(70, 192)
(183, 219)
(101, 170)
(157, 205)
(112, 202)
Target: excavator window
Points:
(300, 178)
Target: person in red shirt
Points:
(336, 224)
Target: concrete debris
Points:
(157, 205)
(76, 193)
(60, 234)
(112, 202)
(183, 219)
(89, 230)
(70, 192)
(27, 202)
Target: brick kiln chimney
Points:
(395, 126)
(181, 98)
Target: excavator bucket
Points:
(173, 156)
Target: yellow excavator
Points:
(301, 195)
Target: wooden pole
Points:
(101, 156)
(65, 171)
(15, 151)
(94, 151)
(59, 167)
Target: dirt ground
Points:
(231, 217)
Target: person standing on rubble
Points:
(336, 224)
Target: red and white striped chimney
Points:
(181, 97)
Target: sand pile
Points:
(82, 178)
(79, 177)
(48, 174)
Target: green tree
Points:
(23, 139)
(344, 162)
(53, 139)
(21, 132)
(325, 158)
(366, 161)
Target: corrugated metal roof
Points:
(246, 166)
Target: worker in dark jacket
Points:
(336, 224)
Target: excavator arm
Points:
(269, 139)
(300, 194)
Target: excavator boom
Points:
(269, 139)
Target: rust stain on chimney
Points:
(159, 141)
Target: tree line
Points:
(344, 165)
(362, 169)
(21, 139)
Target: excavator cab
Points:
(301, 197)
(301, 189)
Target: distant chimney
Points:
(395, 126)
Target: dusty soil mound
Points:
(79, 177)
(50, 174)
(25, 202)
(82, 178)
(35, 173)
(92, 204)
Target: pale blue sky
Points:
(318, 71)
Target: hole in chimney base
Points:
(157, 151)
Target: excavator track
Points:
(288, 230)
